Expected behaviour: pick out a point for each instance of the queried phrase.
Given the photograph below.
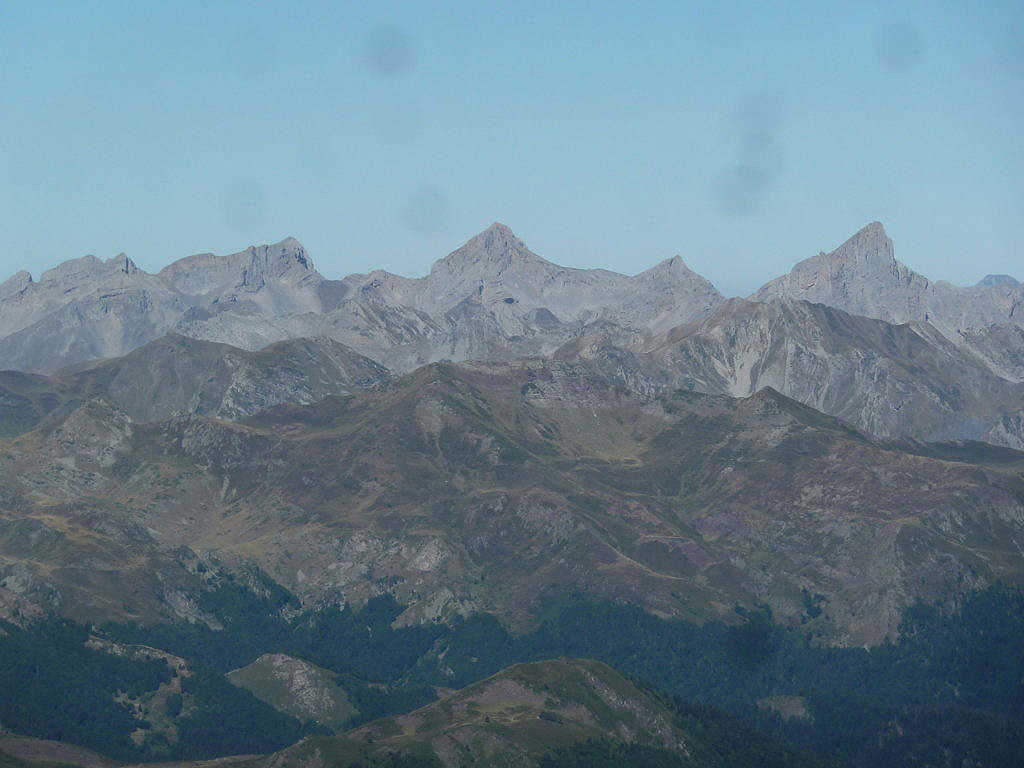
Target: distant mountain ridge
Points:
(944, 363)
(490, 298)
(862, 277)
(243, 467)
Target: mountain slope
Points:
(498, 487)
(890, 380)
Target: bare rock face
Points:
(491, 299)
(495, 299)
(269, 279)
(890, 380)
(87, 309)
(862, 277)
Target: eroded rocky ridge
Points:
(863, 277)
(492, 298)
(852, 332)
(890, 380)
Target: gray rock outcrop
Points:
(862, 277)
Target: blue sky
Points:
(743, 136)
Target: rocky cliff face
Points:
(889, 380)
(88, 309)
(954, 372)
(862, 277)
(491, 299)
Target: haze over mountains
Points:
(888, 350)
(335, 492)
(564, 359)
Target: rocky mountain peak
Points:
(675, 269)
(861, 276)
(869, 246)
(291, 249)
(122, 263)
(274, 261)
(283, 255)
(492, 251)
(15, 283)
(206, 273)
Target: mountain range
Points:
(853, 333)
(181, 453)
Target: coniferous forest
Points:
(949, 689)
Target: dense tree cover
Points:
(363, 641)
(719, 739)
(360, 642)
(252, 626)
(54, 687)
(374, 701)
(229, 721)
(950, 689)
(605, 753)
(398, 760)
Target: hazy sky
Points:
(742, 135)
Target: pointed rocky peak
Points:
(870, 246)
(121, 263)
(675, 265)
(491, 252)
(860, 276)
(675, 270)
(16, 283)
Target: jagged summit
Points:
(863, 277)
(277, 257)
(492, 298)
(16, 283)
(867, 256)
(869, 245)
(88, 268)
(494, 250)
(672, 266)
